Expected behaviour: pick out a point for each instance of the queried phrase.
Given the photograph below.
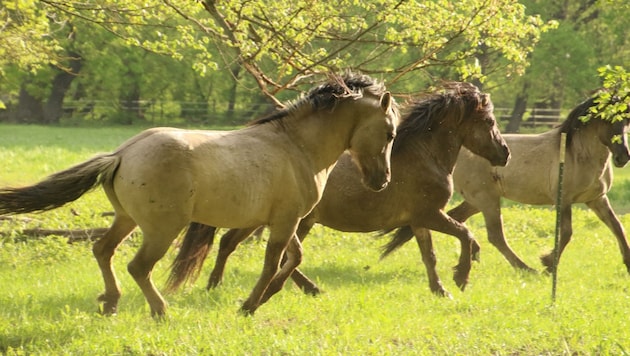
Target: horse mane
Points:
(575, 120)
(327, 95)
(429, 109)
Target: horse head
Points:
(611, 132)
(483, 137)
(614, 136)
(371, 143)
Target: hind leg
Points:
(229, 241)
(425, 243)
(491, 210)
(156, 241)
(103, 251)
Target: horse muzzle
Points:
(621, 160)
(502, 158)
(376, 183)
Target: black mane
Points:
(574, 121)
(327, 95)
(454, 98)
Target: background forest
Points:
(222, 63)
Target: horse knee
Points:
(137, 269)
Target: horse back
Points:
(531, 176)
(210, 175)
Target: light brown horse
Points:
(531, 177)
(425, 149)
(272, 172)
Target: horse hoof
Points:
(313, 291)
(461, 282)
(443, 293)
(476, 251)
(110, 307)
(246, 311)
(547, 261)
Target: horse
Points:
(531, 178)
(428, 140)
(272, 172)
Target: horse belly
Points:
(345, 215)
(232, 208)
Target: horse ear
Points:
(386, 101)
(485, 99)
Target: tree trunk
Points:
(29, 108)
(53, 110)
(520, 105)
(232, 94)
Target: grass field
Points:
(48, 288)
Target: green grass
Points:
(48, 288)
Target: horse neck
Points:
(441, 146)
(323, 136)
(586, 143)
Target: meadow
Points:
(48, 288)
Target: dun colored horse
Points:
(532, 178)
(272, 172)
(425, 149)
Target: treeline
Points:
(117, 61)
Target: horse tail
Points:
(193, 251)
(59, 188)
(401, 236)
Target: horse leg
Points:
(156, 241)
(566, 230)
(605, 213)
(279, 237)
(441, 222)
(496, 236)
(425, 243)
(103, 251)
(300, 279)
(293, 256)
(461, 213)
(229, 241)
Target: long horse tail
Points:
(194, 249)
(401, 236)
(59, 188)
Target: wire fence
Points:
(174, 112)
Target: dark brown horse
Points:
(532, 178)
(425, 149)
(270, 173)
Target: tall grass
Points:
(48, 288)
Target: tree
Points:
(564, 65)
(275, 47)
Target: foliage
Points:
(614, 100)
(564, 66)
(281, 45)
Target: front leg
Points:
(566, 231)
(605, 213)
(293, 258)
(441, 222)
(425, 243)
(280, 234)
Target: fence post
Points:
(556, 249)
